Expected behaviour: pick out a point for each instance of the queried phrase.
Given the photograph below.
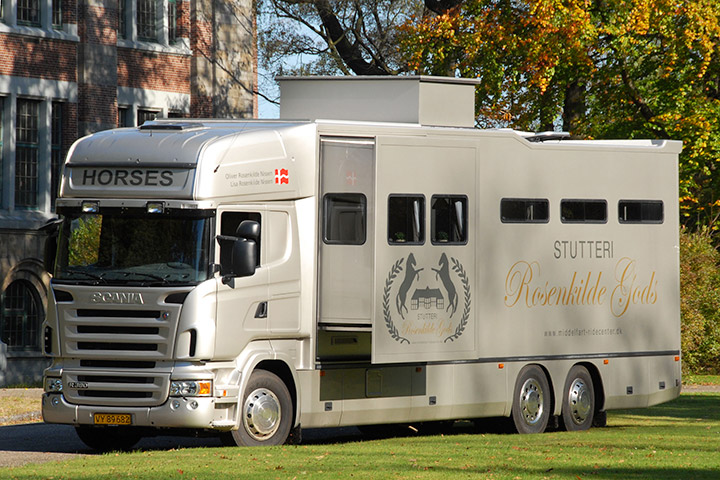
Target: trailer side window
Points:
(449, 219)
(583, 211)
(640, 211)
(406, 219)
(345, 218)
(524, 210)
(229, 222)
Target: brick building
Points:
(72, 67)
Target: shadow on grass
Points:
(688, 406)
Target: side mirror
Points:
(239, 253)
(243, 259)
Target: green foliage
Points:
(596, 68)
(85, 241)
(700, 302)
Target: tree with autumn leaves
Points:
(595, 68)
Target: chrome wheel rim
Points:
(532, 404)
(579, 401)
(262, 414)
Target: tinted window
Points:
(406, 219)
(449, 219)
(229, 223)
(524, 210)
(583, 211)
(640, 211)
(345, 218)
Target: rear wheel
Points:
(265, 413)
(531, 401)
(108, 439)
(578, 405)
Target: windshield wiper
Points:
(94, 276)
(147, 275)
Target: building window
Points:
(147, 20)
(345, 218)
(26, 154)
(124, 117)
(28, 12)
(640, 211)
(146, 116)
(524, 210)
(406, 219)
(172, 21)
(21, 313)
(57, 19)
(583, 211)
(56, 159)
(122, 24)
(449, 219)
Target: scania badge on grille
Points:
(117, 298)
(78, 385)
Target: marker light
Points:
(90, 207)
(155, 207)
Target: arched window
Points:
(20, 313)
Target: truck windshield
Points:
(122, 246)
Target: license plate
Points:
(112, 419)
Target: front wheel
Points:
(578, 405)
(265, 412)
(531, 401)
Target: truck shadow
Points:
(42, 437)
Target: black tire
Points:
(532, 401)
(108, 439)
(266, 413)
(578, 401)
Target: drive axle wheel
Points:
(265, 412)
(578, 406)
(531, 401)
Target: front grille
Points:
(118, 330)
(117, 355)
(137, 389)
(104, 394)
(133, 347)
(87, 312)
(119, 334)
(114, 379)
(115, 364)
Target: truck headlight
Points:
(190, 388)
(53, 385)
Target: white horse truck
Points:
(384, 262)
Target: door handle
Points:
(262, 310)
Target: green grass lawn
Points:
(701, 379)
(677, 440)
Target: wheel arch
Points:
(287, 375)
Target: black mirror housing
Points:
(244, 253)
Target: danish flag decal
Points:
(282, 176)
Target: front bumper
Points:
(176, 412)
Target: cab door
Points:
(242, 302)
